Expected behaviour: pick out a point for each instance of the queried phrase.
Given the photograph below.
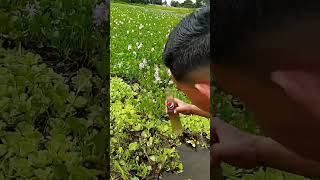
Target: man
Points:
(187, 55)
(272, 65)
(184, 56)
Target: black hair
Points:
(235, 20)
(188, 45)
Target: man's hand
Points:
(182, 107)
(235, 147)
(187, 109)
(248, 151)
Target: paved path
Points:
(196, 164)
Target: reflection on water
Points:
(196, 164)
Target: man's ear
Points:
(301, 86)
(204, 88)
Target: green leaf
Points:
(100, 142)
(60, 172)
(80, 102)
(82, 80)
(133, 146)
(22, 167)
(274, 174)
(31, 59)
(152, 158)
(85, 173)
(27, 147)
(248, 177)
(78, 128)
(40, 159)
(26, 129)
(260, 174)
(293, 176)
(3, 149)
(12, 138)
(228, 170)
(4, 101)
(102, 68)
(43, 174)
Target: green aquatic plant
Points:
(48, 129)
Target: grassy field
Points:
(171, 9)
(142, 142)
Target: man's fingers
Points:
(182, 109)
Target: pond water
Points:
(196, 164)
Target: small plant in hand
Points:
(174, 117)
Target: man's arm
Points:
(247, 151)
(187, 109)
(200, 112)
(273, 154)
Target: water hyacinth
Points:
(31, 10)
(157, 74)
(144, 61)
(140, 46)
(37, 4)
(169, 72)
(143, 64)
(15, 15)
(56, 34)
(100, 13)
(141, 26)
(145, 31)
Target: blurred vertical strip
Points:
(215, 173)
(56, 53)
(107, 62)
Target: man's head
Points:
(266, 32)
(187, 55)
